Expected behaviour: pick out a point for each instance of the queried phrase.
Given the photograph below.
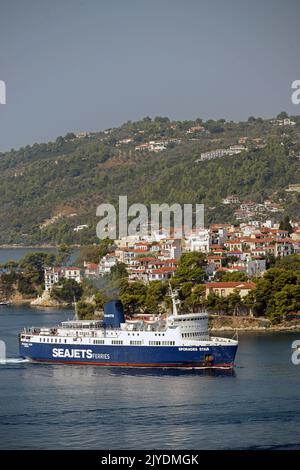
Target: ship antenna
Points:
(76, 309)
(236, 334)
(175, 301)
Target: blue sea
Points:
(15, 254)
(257, 406)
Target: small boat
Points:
(3, 304)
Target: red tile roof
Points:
(91, 266)
(235, 285)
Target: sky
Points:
(87, 65)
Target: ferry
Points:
(177, 341)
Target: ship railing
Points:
(223, 340)
(40, 331)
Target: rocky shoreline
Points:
(43, 301)
(219, 323)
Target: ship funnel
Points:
(113, 314)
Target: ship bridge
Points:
(192, 326)
(82, 324)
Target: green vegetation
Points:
(68, 291)
(285, 224)
(27, 275)
(190, 268)
(232, 277)
(276, 294)
(63, 255)
(93, 253)
(49, 189)
(230, 305)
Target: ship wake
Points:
(13, 360)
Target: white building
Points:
(219, 153)
(91, 269)
(231, 200)
(125, 255)
(161, 274)
(80, 227)
(199, 241)
(51, 277)
(171, 248)
(126, 242)
(106, 263)
(72, 273)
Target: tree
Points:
(10, 265)
(118, 271)
(100, 299)
(216, 302)
(155, 295)
(85, 311)
(270, 260)
(234, 276)
(7, 281)
(286, 225)
(25, 286)
(133, 297)
(197, 298)
(291, 262)
(64, 253)
(286, 301)
(234, 302)
(190, 268)
(70, 136)
(282, 115)
(68, 291)
(266, 297)
(34, 263)
(93, 253)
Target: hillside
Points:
(46, 190)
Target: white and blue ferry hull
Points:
(131, 356)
